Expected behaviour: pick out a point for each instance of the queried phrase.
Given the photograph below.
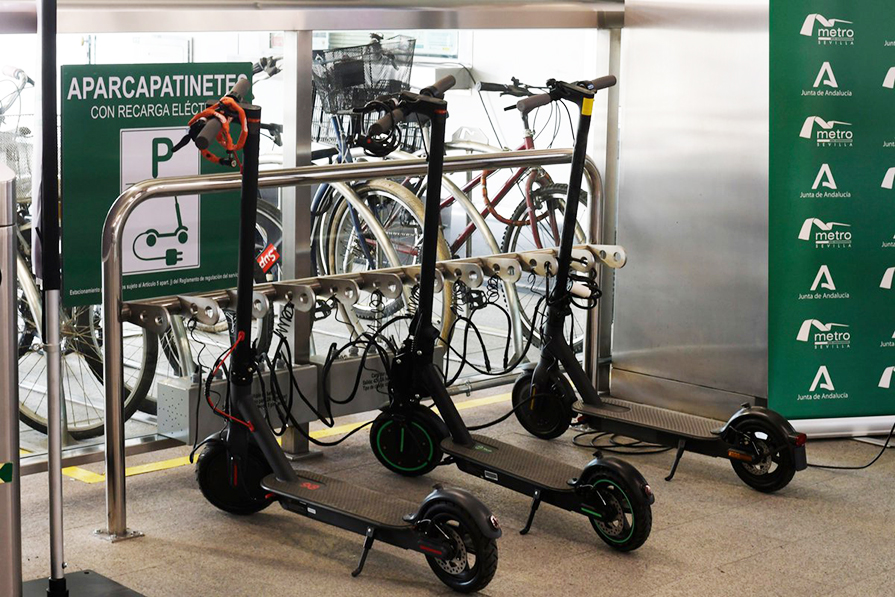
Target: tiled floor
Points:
(828, 533)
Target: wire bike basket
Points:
(349, 78)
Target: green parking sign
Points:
(120, 124)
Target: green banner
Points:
(6, 470)
(120, 124)
(832, 208)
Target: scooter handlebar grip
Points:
(528, 104)
(440, 86)
(604, 82)
(208, 134)
(387, 122)
(241, 89)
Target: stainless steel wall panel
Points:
(691, 305)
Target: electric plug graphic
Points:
(173, 257)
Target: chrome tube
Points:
(10, 480)
(54, 432)
(127, 202)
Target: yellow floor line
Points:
(86, 476)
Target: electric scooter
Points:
(762, 446)
(242, 469)
(410, 439)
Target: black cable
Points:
(858, 468)
(634, 447)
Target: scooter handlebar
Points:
(241, 89)
(528, 104)
(603, 82)
(387, 122)
(438, 88)
(208, 134)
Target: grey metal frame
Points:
(112, 283)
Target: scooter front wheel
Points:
(474, 561)
(775, 467)
(619, 514)
(548, 414)
(215, 474)
(408, 442)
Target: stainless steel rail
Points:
(113, 229)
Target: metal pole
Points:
(47, 270)
(10, 488)
(598, 347)
(296, 207)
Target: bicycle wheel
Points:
(400, 214)
(550, 204)
(82, 367)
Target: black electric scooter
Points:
(242, 469)
(410, 439)
(762, 446)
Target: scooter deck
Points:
(660, 419)
(501, 458)
(323, 492)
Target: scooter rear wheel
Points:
(213, 472)
(408, 442)
(549, 414)
(475, 558)
(632, 518)
(776, 468)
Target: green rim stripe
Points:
(403, 468)
(630, 505)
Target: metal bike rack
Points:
(10, 478)
(113, 229)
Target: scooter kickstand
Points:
(531, 515)
(677, 458)
(368, 543)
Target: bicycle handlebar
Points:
(503, 89)
(213, 126)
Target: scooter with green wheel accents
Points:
(410, 439)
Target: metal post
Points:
(113, 383)
(54, 442)
(297, 200)
(10, 488)
(598, 343)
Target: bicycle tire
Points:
(552, 195)
(80, 341)
(413, 206)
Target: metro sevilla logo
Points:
(889, 179)
(887, 279)
(828, 31)
(827, 133)
(885, 381)
(889, 81)
(824, 335)
(827, 234)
